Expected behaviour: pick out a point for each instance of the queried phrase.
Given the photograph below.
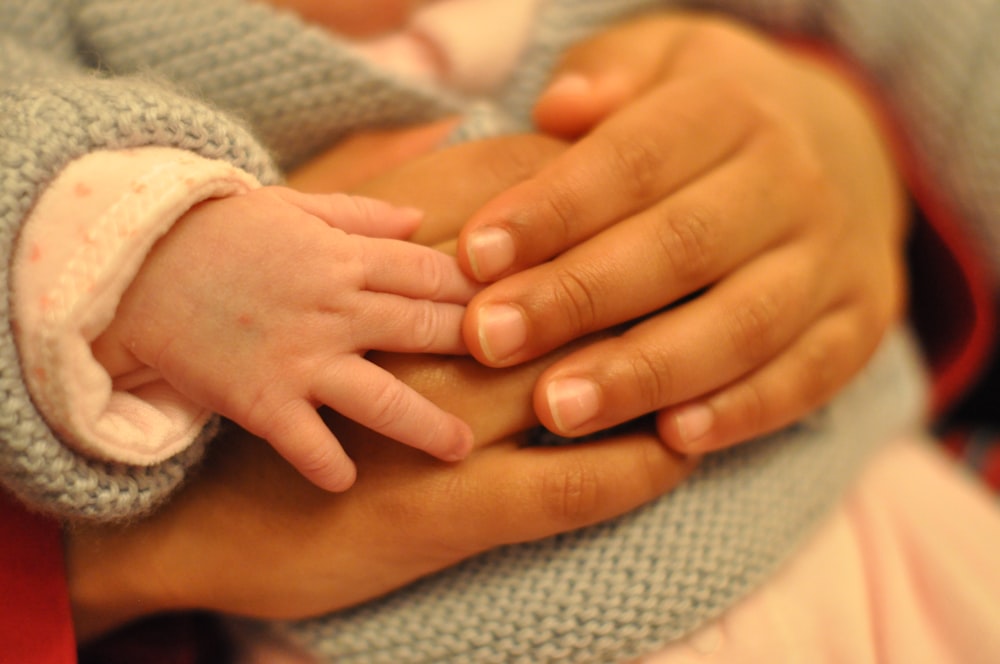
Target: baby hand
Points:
(261, 306)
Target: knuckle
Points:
(317, 459)
(576, 300)
(648, 475)
(432, 274)
(752, 327)
(267, 415)
(635, 161)
(561, 205)
(651, 376)
(517, 158)
(388, 406)
(751, 409)
(572, 497)
(817, 370)
(425, 326)
(687, 241)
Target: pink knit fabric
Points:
(468, 45)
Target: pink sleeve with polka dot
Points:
(77, 253)
(467, 45)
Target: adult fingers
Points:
(359, 158)
(508, 494)
(373, 397)
(732, 329)
(686, 132)
(800, 379)
(604, 72)
(674, 248)
(440, 182)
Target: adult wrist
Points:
(108, 585)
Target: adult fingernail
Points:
(570, 84)
(573, 402)
(491, 252)
(502, 331)
(693, 423)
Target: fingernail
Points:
(693, 422)
(502, 331)
(491, 252)
(571, 84)
(573, 402)
(461, 448)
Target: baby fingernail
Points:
(491, 252)
(693, 422)
(573, 402)
(502, 331)
(461, 448)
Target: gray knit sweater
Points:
(228, 80)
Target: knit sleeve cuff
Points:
(81, 247)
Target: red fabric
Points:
(952, 300)
(36, 626)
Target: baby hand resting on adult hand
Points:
(260, 306)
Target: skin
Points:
(752, 177)
(408, 514)
(279, 323)
(766, 166)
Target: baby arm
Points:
(89, 237)
(260, 307)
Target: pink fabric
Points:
(78, 252)
(468, 45)
(904, 572)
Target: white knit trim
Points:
(146, 420)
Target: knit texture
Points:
(244, 85)
(625, 588)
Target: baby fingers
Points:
(398, 324)
(298, 434)
(374, 398)
(410, 270)
(357, 214)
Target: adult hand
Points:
(249, 536)
(738, 200)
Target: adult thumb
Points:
(604, 73)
